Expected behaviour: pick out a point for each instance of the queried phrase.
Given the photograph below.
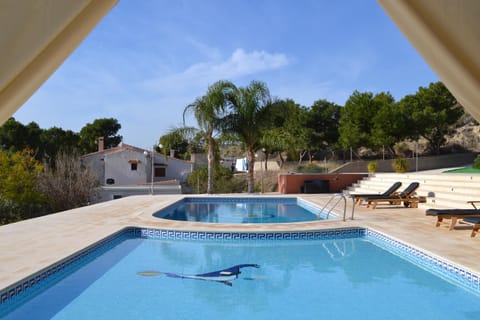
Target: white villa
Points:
(127, 170)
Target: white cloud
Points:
(240, 63)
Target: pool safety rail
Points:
(334, 200)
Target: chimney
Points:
(101, 145)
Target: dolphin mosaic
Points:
(224, 276)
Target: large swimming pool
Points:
(243, 210)
(332, 274)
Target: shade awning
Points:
(446, 33)
(36, 37)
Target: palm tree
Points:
(208, 110)
(249, 111)
(182, 140)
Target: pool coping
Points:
(448, 270)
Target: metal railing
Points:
(339, 197)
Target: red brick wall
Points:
(291, 183)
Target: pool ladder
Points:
(335, 200)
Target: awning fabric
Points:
(446, 33)
(36, 37)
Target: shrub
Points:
(309, 168)
(224, 181)
(400, 165)
(476, 162)
(372, 166)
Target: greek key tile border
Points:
(232, 236)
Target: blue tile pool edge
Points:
(61, 266)
(307, 205)
(446, 269)
(439, 266)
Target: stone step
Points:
(441, 190)
(456, 195)
(463, 177)
(447, 203)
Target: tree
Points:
(247, 120)
(106, 128)
(324, 118)
(14, 136)
(322, 123)
(284, 129)
(431, 112)
(208, 110)
(356, 120)
(67, 184)
(55, 139)
(19, 198)
(184, 140)
(389, 124)
(371, 121)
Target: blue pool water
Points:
(336, 278)
(242, 210)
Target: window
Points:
(133, 164)
(110, 181)
(160, 172)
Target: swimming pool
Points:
(243, 210)
(161, 274)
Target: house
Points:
(127, 170)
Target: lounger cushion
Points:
(451, 212)
(390, 190)
(367, 195)
(400, 196)
(380, 197)
(473, 220)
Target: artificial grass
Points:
(463, 170)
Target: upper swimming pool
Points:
(242, 210)
(330, 274)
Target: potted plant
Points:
(476, 162)
(372, 166)
(400, 165)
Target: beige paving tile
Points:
(29, 246)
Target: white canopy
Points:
(447, 35)
(36, 37)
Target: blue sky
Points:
(148, 59)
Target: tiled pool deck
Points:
(29, 246)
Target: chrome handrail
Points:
(339, 197)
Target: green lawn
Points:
(463, 170)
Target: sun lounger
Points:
(475, 221)
(389, 192)
(406, 196)
(453, 214)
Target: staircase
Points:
(442, 190)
